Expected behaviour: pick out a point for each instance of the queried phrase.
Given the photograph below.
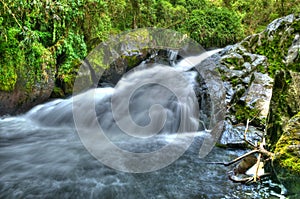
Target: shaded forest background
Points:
(36, 35)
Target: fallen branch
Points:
(235, 160)
(256, 176)
(233, 178)
(245, 136)
(258, 172)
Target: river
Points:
(42, 155)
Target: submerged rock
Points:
(245, 164)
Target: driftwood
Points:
(245, 180)
(256, 149)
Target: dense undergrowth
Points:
(40, 35)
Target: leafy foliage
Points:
(37, 37)
(214, 27)
(256, 14)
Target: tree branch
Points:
(12, 14)
(235, 160)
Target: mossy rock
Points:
(287, 156)
(275, 43)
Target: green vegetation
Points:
(275, 49)
(214, 26)
(256, 14)
(42, 39)
(39, 38)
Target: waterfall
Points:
(172, 55)
(43, 154)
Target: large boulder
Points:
(250, 89)
(247, 69)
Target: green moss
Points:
(276, 48)
(131, 61)
(261, 69)
(287, 157)
(57, 93)
(39, 65)
(223, 146)
(236, 62)
(235, 81)
(288, 146)
(243, 112)
(23, 63)
(8, 78)
(11, 57)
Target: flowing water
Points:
(51, 162)
(42, 155)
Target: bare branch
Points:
(235, 160)
(245, 136)
(14, 16)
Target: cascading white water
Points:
(59, 112)
(41, 155)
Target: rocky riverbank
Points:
(262, 81)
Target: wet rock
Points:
(233, 135)
(245, 164)
(20, 100)
(123, 64)
(293, 52)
